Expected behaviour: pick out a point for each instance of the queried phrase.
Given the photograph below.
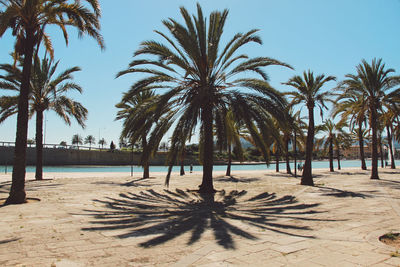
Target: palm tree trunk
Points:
(381, 151)
(146, 168)
(207, 119)
(389, 137)
(288, 171)
(338, 157)
(182, 172)
(17, 192)
(361, 143)
(277, 156)
(331, 155)
(39, 145)
(306, 178)
(374, 168)
(228, 168)
(295, 155)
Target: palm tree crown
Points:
(200, 80)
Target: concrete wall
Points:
(60, 156)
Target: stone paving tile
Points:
(368, 258)
(395, 261)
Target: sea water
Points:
(164, 169)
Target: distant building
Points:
(353, 152)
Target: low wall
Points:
(60, 156)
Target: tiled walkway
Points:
(259, 219)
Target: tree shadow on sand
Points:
(389, 183)
(133, 183)
(30, 185)
(6, 241)
(233, 179)
(169, 214)
(334, 192)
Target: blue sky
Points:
(329, 37)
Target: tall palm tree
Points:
(374, 83)
(389, 119)
(139, 119)
(200, 79)
(298, 127)
(309, 92)
(351, 106)
(90, 140)
(46, 93)
(333, 132)
(77, 140)
(27, 19)
(234, 131)
(342, 141)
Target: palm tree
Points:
(389, 118)
(234, 131)
(309, 91)
(342, 141)
(90, 140)
(102, 142)
(200, 82)
(353, 110)
(332, 132)
(374, 83)
(298, 134)
(139, 116)
(77, 140)
(27, 19)
(46, 93)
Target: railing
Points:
(57, 146)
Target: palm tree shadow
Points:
(233, 179)
(334, 192)
(133, 183)
(390, 183)
(5, 241)
(169, 214)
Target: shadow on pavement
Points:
(236, 180)
(334, 192)
(134, 183)
(390, 183)
(166, 215)
(5, 241)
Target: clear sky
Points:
(329, 37)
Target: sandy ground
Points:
(258, 218)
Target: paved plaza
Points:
(257, 218)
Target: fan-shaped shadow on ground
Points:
(334, 192)
(233, 179)
(171, 214)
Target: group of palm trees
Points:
(204, 89)
(90, 139)
(195, 84)
(28, 21)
